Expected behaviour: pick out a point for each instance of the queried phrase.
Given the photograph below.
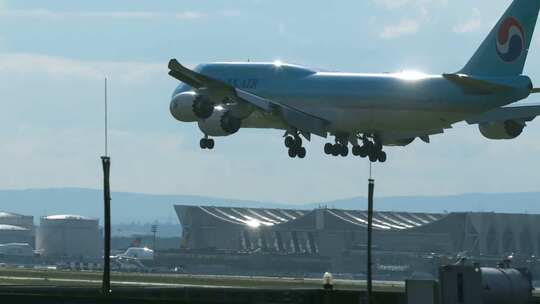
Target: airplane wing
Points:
(524, 113)
(296, 118)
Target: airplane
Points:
(366, 110)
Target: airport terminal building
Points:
(340, 235)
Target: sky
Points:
(54, 56)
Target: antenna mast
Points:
(106, 122)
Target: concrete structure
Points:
(69, 236)
(331, 231)
(399, 237)
(322, 231)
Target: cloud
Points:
(392, 4)
(471, 25)
(395, 4)
(409, 25)
(404, 27)
(128, 72)
(137, 15)
(189, 15)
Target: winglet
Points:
(174, 64)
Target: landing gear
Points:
(336, 149)
(206, 143)
(294, 144)
(371, 149)
(339, 148)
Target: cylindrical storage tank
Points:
(69, 236)
(9, 218)
(506, 285)
(15, 234)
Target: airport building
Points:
(340, 235)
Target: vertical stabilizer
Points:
(504, 51)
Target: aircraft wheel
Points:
(301, 152)
(373, 157)
(363, 151)
(335, 150)
(289, 141)
(356, 150)
(292, 153)
(328, 148)
(210, 143)
(298, 141)
(344, 150)
(381, 156)
(202, 143)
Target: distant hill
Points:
(519, 202)
(144, 208)
(125, 207)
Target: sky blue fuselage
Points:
(356, 102)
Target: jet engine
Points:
(508, 129)
(190, 107)
(220, 123)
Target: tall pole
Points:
(371, 186)
(106, 286)
(106, 163)
(154, 231)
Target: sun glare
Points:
(253, 223)
(411, 75)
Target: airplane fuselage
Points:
(359, 102)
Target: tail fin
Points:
(504, 51)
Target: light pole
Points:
(371, 186)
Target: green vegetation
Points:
(87, 278)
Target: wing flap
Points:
(300, 120)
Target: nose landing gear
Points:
(206, 143)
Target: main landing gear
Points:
(294, 144)
(371, 148)
(337, 149)
(206, 143)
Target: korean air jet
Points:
(366, 111)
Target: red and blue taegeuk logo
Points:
(510, 40)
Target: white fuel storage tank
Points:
(15, 234)
(69, 236)
(10, 218)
